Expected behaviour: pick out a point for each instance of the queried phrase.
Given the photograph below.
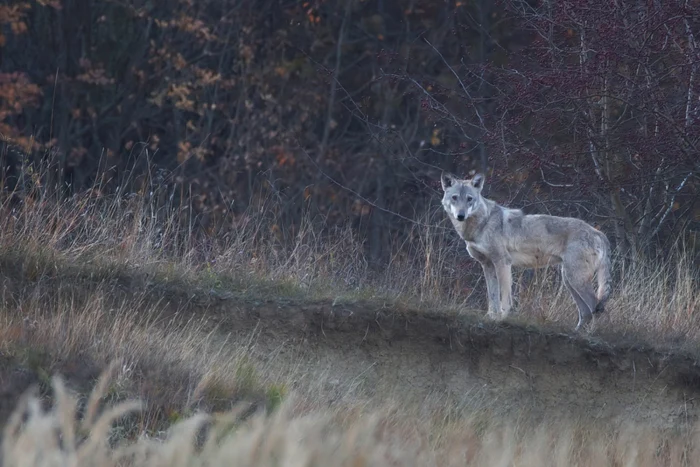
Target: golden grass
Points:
(94, 278)
(658, 303)
(131, 241)
(60, 435)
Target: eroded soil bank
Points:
(366, 347)
(370, 351)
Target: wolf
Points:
(499, 238)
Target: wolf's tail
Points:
(604, 277)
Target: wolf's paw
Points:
(583, 329)
(493, 316)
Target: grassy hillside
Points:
(301, 354)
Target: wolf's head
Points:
(462, 197)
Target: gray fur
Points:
(499, 238)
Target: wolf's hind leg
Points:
(582, 292)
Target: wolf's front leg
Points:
(492, 288)
(505, 284)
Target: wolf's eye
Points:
(454, 197)
(469, 198)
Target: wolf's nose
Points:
(460, 217)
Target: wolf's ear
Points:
(447, 180)
(478, 181)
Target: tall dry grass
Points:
(147, 234)
(79, 277)
(66, 435)
(658, 302)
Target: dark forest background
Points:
(351, 108)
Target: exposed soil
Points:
(512, 367)
(17, 376)
(369, 349)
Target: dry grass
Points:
(294, 437)
(658, 303)
(97, 277)
(126, 237)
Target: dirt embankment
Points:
(508, 367)
(368, 349)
